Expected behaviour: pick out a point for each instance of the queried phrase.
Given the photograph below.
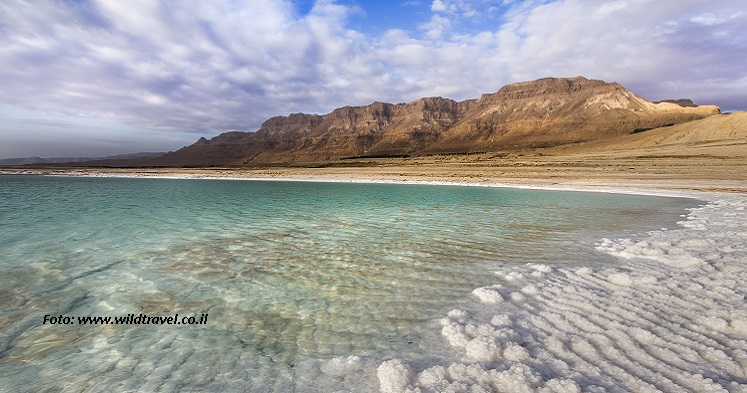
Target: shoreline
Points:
(455, 177)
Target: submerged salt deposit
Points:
(672, 317)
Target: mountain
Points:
(542, 113)
(551, 112)
(76, 160)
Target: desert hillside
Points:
(722, 135)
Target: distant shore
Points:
(614, 172)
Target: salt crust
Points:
(672, 317)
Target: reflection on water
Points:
(292, 275)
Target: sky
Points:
(102, 77)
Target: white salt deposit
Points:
(672, 317)
(342, 365)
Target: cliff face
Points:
(550, 112)
(546, 112)
(376, 129)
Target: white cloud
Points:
(213, 66)
(439, 6)
(435, 28)
(463, 8)
(190, 59)
(641, 43)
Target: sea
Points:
(166, 285)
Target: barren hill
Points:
(723, 135)
(543, 113)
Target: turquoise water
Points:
(291, 275)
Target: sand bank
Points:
(542, 172)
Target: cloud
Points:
(436, 26)
(464, 8)
(659, 49)
(206, 67)
(648, 46)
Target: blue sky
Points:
(100, 77)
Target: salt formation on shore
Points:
(671, 317)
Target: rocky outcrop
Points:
(680, 101)
(545, 112)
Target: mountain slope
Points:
(723, 134)
(545, 112)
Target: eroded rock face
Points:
(552, 111)
(545, 112)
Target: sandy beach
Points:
(541, 168)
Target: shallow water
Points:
(669, 317)
(307, 286)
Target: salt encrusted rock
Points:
(491, 294)
(342, 365)
(622, 279)
(671, 317)
(394, 376)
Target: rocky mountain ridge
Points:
(542, 113)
